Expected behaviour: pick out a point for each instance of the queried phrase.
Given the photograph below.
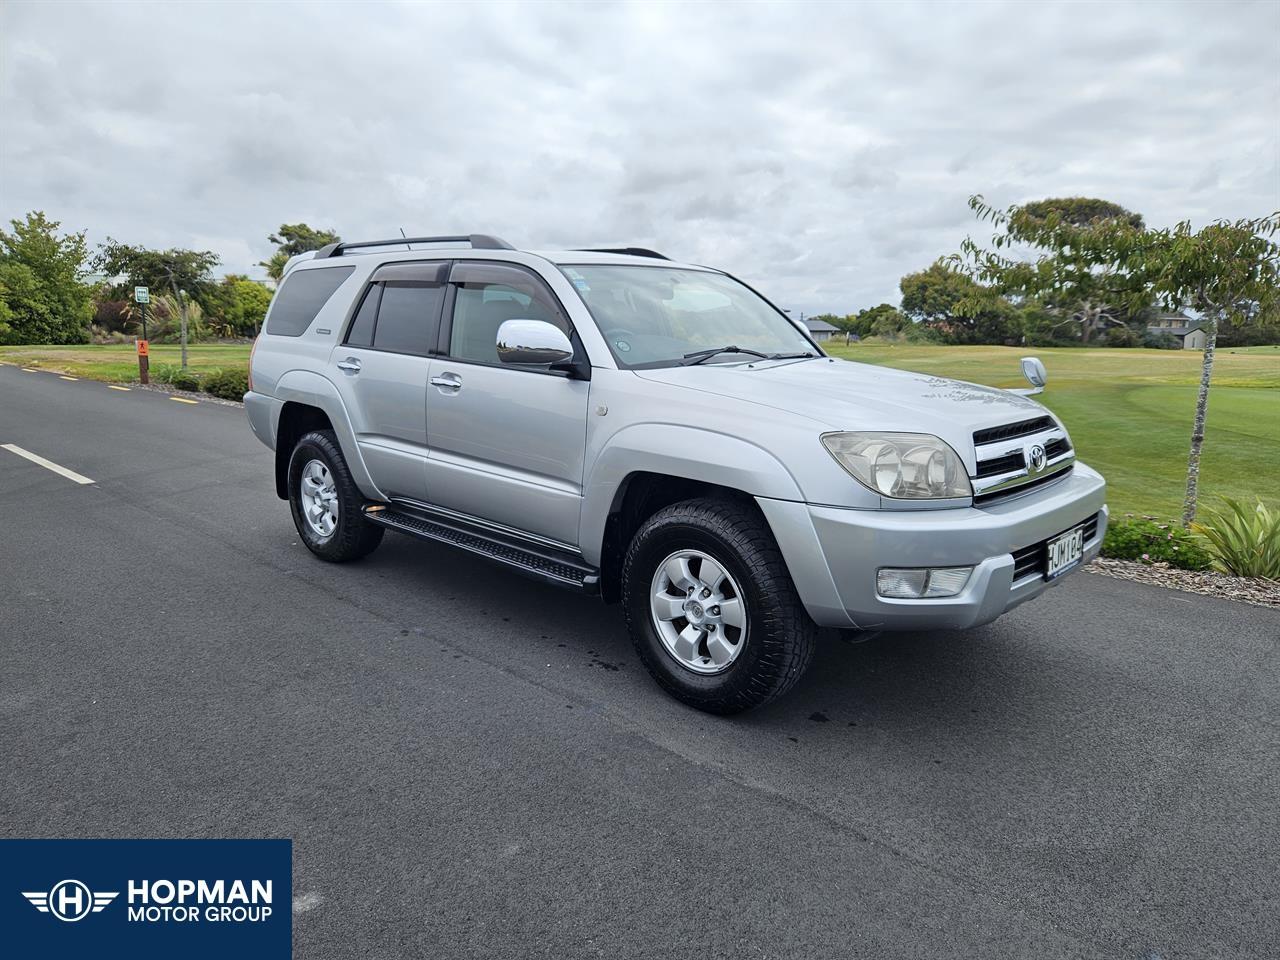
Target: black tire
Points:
(354, 536)
(779, 639)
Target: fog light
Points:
(921, 582)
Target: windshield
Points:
(654, 316)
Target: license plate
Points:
(1065, 551)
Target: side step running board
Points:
(548, 565)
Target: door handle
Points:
(447, 382)
(349, 365)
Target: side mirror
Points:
(534, 342)
(1036, 375)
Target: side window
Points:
(361, 332)
(487, 294)
(408, 317)
(300, 298)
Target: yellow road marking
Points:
(112, 386)
(68, 378)
(28, 370)
(184, 400)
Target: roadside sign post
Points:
(142, 296)
(144, 361)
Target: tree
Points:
(184, 273)
(6, 314)
(1067, 277)
(1081, 211)
(1229, 272)
(292, 239)
(957, 307)
(44, 297)
(236, 302)
(251, 302)
(883, 320)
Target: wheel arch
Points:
(650, 466)
(312, 402)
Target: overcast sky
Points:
(818, 151)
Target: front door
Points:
(506, 443)
(382, 367)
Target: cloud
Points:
(819, 150)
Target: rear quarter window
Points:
(300, 298)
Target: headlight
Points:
(911, 466)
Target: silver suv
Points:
(659, 434)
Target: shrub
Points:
(1243, 541)
(1150, 540)
(163, 372)
(176, 377)
(227, 384)
(165, 320)
(1160, 340)
(1121, 337)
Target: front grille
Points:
(1024, 428)
(1056, 447)
(1035, 558)
(1020, 488)
(1006, 464)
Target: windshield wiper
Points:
(805, 355)
(701, 356)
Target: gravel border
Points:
(1210, 583)
(165, 388)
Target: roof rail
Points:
(478, 241)
(629, 251)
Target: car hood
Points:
(859, 396)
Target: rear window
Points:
(300, 298)
(361, 332)
(409, 317)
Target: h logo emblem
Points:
(69, 900)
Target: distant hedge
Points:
(1150, 540)
(227, 384)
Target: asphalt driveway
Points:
(474, 765)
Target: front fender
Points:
(673, 450)
(312, 389)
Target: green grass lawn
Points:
(117, 363)
(1129, 411)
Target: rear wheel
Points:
(711, 608)
(326, 503)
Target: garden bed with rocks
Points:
(1262, 593)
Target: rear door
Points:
(382, 367)
(506, 443)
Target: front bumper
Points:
(833, 553)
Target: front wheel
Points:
(326, 503)
(711, 608)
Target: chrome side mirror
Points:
(1036, 375)
(533, 342)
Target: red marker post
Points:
(144, 361)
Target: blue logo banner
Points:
(147, 898)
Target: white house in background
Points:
(820, 330)
(1179, 325)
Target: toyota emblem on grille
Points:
(1036, 458)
